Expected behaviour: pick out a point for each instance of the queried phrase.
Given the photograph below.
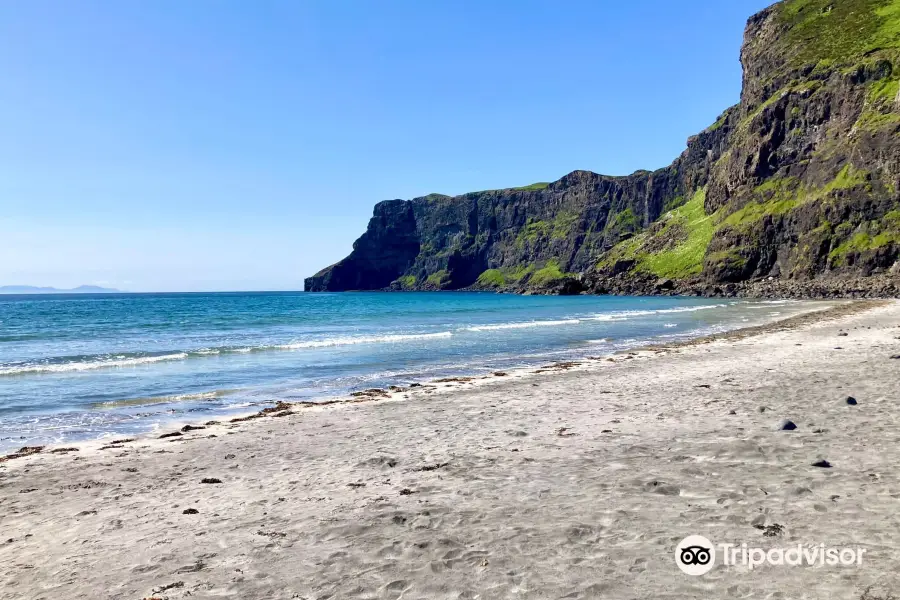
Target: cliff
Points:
(798, 183)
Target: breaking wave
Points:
(107, 361)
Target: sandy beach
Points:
(575, 481)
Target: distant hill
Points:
(81, 289)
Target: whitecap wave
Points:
(522, 325)
(88, 365)
(123, 360)
(346, 341)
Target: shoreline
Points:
(399, 392)
(569, 481)
(880, 286)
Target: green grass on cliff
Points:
(730, 258)
(838, 30)
(532, 274)
(438, 278)
(623, 222)
(533, 231)
(880, 107)
(676, 247)
(776, 196)
(562, 224)
(686, 257)
(884, 90)
(719, 122)
(492, 278)
(872, 235)
(780, 195)
(533, 187)
(537, 231)
(546, 275)
(505, 276)
(407, 282)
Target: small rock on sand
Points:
(658, 487)
(822, 464)
(851, 401)
(190, 511)
(787, 425)
(210, 480)
(773, 530)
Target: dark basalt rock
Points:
(801, 180)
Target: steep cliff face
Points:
(809, 184)
(798, 181)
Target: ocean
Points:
(77, 367)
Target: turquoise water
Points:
(76, 367)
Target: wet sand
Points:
(573, 481)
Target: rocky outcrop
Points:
(797, 183)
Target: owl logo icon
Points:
(695, 555)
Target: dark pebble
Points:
(851, 401)
(210, 480)
(822, 464)
(787, 425)
(190, 511)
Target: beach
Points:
(575, 480)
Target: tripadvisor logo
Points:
(696, 555)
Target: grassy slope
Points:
(838, 31)
(675, 247)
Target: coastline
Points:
(554, 460)
(397, 390)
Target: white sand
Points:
(514, 509)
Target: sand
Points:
(573, 482)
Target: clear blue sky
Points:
(234, 145)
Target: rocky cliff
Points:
(798, 183)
